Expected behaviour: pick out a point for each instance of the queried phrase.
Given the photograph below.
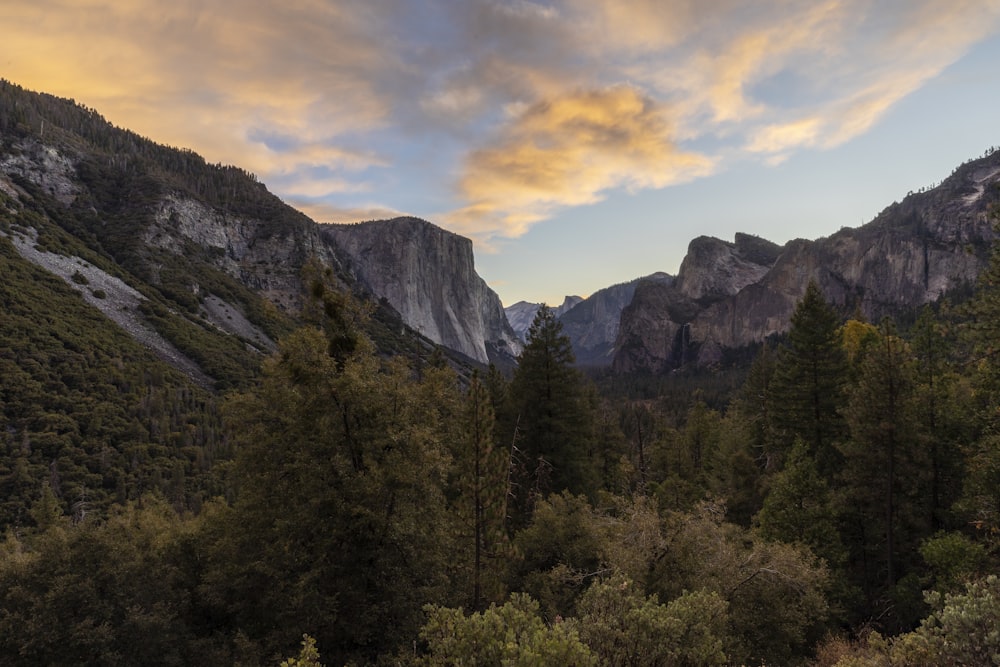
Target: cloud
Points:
(526, 108)
(855, 75)
(205, 75)
(568, 151)
(327, 213)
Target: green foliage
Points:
(953, 559)
(223, 357)
(87, 412)
(776, 592)
(308, 656)
(550, 418)
(799, 509)
(368, 488)
(340, 516)
(622, 627)
(513, 634)
(963, 629)
(560, 552)
(884, 464)
(807, 389)
(114, 593)
(481, 471)
(683, 461)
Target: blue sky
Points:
(579, 143)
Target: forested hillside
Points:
(350, 497)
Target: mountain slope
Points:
(910, 254)
(210, 251)
(428, 275)
(592, 325)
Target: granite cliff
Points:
(591, 324)
(428, 275)
(729, 295)
(186, 256)
(522, 314)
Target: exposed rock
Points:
(428, 275)
(713, 269)
(117, 300)
(732, 295)
(45, 166)
(230, 318)
(522, 314)
(592, 325)
(246, 248)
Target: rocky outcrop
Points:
(732, 295)
(592, 325)
(428, 275)
(713, 269)
(250, 249)
(522, 314)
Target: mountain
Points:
(205, 257)
(427, 274)
(592, 325)
(522, 314)
(729, 295)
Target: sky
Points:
(578, 143)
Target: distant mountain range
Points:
(182, 254)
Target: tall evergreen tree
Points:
(945, 416)
(981, 496)
(483, 471)
(340, 526)
(809, 381)
(798, 508)
(550, 415)
(883, 480)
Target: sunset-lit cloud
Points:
(327, 213)
(567, 152)
(491, 115)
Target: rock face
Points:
(428, 275)
(423, 272)
(522, 314)
(732, 295)
(592, 325)
(267, 260)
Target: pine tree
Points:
(799, 508)
(944, 414)
(481, 503)
(884, 472)
(341, 516)
(808, 386)
(550, 412)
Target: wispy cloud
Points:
(518, 109)
(569, 151)
(327, 213)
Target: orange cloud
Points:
(542, 97)
(326, 213)
(568, 151)
(204, 75)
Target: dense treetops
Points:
(333, 504)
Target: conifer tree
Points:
(799, 508)
(809, 381)
(551, 413)
(945, 416)
(340, 519)
(885, 471)
(481, 503)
